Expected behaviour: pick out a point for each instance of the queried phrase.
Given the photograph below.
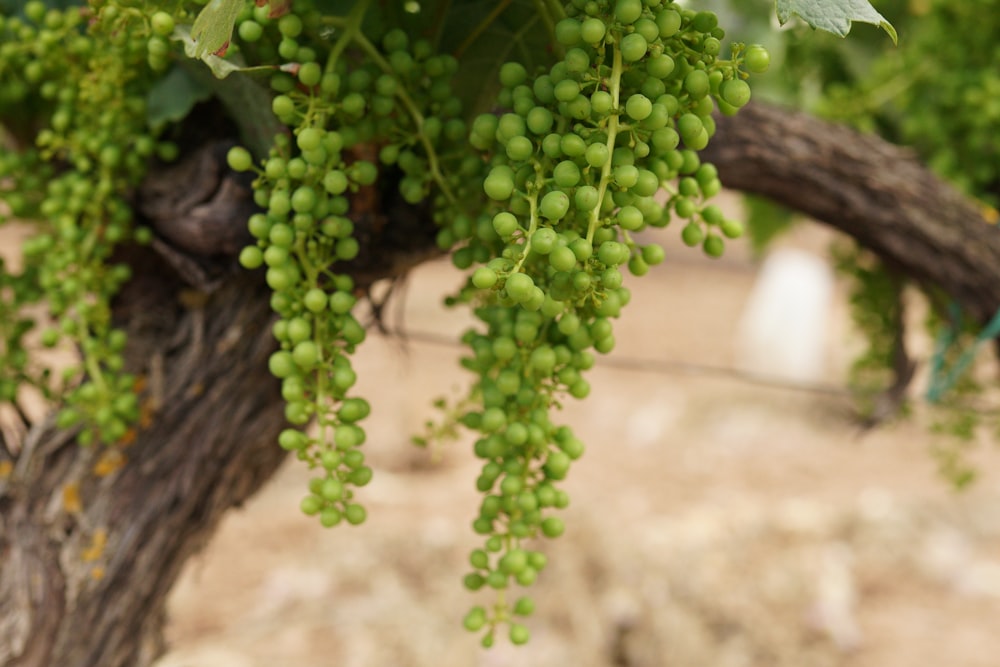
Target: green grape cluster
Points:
(576, 162)
(392, 110)
(83, 74)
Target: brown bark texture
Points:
(872, 190)
(87, 559)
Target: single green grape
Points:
(239, 159)
(757, 59)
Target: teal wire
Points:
(943, 380)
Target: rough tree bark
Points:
(87, 560)
(875, 191)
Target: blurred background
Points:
(730, 509)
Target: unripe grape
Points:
(713, 245)
(498, 186)
(306, 354)
(572, 145)
(512, 74)
(475, 619)
(567, 90)
(519, 286)
(586, 198)
(554, 205)
(696, 83)
(310, 74)
(353, 409)
(684, 207)
(626, 175)
(633, 47)
(577, 60)
(251, 257)
(553, 527)
(303, 199)
(544, 240)
(355, 514)
(311, 505)
(628, 11)
(509, 126)
(519, 148)
(704, 21)
(735, 92)
(597, 155)
(653, 254)
(514, 561)
(757, 59)
(484, 278)
(557, 465)
(592, 30)
(638, 107)
(660, 66)
(568, 32)
(484, 129)
(239, 159)
(315, 300)
(689, 126)
(731, 228)
(637, 266)
(162, 23)
(332, 489)
(539, 120)
(519, 634)
(281, 364)
(630, 218)
(699, 141)
(669, 22)
(665, 139)
(601, 102)
(524, 606)
(292, 439)
(562, 259)
(692, 234)
(566, 174)
(330, 517)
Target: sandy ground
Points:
(715, 521)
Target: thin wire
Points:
(655, 366)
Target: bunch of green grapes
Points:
(576, 164)
(82, 74)
(350, 119)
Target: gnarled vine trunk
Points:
(867, 188)
(87, 560)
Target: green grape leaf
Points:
(833, 15)
(173, 97)
(220, 67)
(213, 28)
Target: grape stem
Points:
(543, 7)
(351, 26)
(532, 226)
(418, 118)
(602, 188)
(482, 26)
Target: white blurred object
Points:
(782, 331)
